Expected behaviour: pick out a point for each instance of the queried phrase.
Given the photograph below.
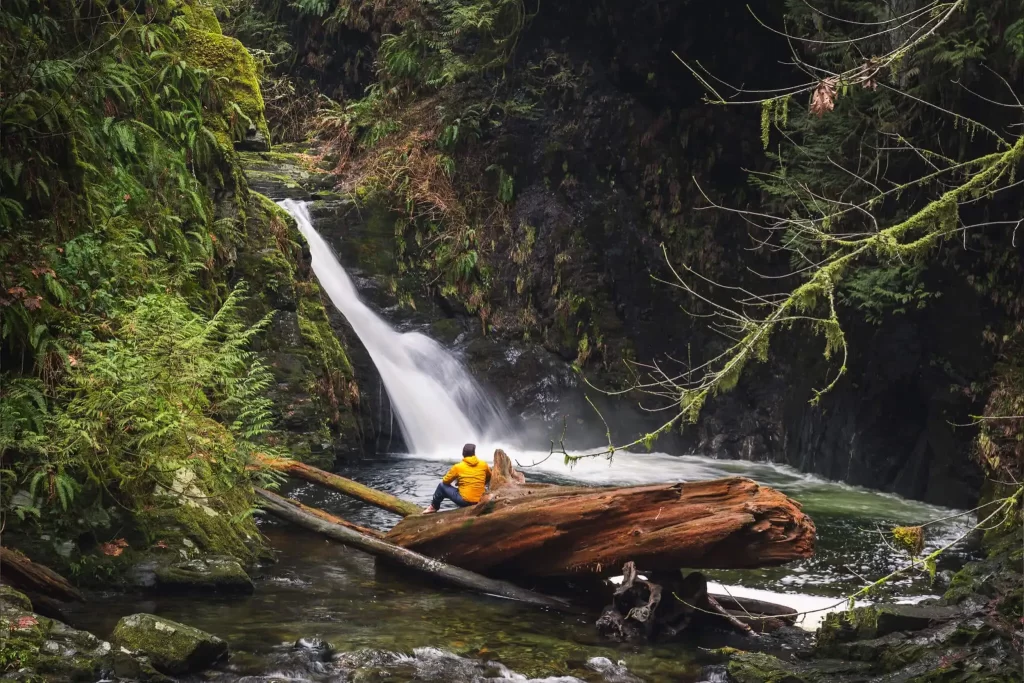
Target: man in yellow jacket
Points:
(472, 474)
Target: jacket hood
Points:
(471, 460)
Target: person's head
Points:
(468, 450)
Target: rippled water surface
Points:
(397, 627)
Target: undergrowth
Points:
(123, 357)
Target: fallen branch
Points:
(328, 517)
(340, 484)
(19, 571)
(375, 546)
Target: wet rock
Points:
(315, 648)
(866, 623)
(43, 649)
(133, 667)
(610, 671)
(212, 573)
(255, 141)
(430, 664)
(752, 667)
(284, 175)
(172, 648)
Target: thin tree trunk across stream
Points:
(408, 558)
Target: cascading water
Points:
(438, 404)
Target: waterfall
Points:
(438, 404)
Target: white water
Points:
(438, 404)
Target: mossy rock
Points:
(173, 648)
(754, 667)
(44, 649)
(867, 623)
(227, 58)
(188, 515)
(211, 573)
(12, 599)
(200, 15)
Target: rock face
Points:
(173, 648)
(617, 155)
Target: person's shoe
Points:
(429, 509)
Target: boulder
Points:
(43, 649)
(172, 648)
(868, 623)
(213, 573)
(12, 599)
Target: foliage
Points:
(868, 182)
(431, 98)
(122, 360)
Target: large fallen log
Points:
(523, 530)
(22, 573)
(340, 484)
(413, 560)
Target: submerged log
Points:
(328, 517)
(24, 574)
(341, 485)
(522, 529)
(413, 560)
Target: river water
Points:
(390, 626)
(395, 627)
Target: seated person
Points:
(472, 474)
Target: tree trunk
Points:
(521, 530)
(341, 484)
(328, 517)
(22, 573)
(381, 548)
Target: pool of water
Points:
(396, 627)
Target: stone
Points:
(172, 648)
(43, 649)
(754, 667)
(212, 573)
(315, 648)
(867, 623)
(12, 599)
(255, 141)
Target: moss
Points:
(317, 332)
(228, 58)
(200, 16)
(222, 574)
(44, 649)
(185, 515)
(12, 599)
(837, 627)
(172, 647)
(752, 667)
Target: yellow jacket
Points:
(473, 475)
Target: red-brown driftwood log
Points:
(22, 573)
(523, 530)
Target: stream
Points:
(385, 625)
(396, 627)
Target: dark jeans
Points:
(451, 493)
